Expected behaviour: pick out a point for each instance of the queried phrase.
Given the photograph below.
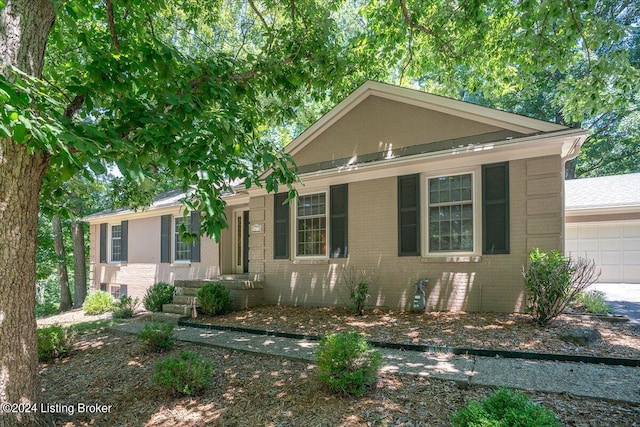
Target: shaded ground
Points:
(474, 330)
(249, 389)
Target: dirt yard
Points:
(110, 369)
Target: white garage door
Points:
(614, 247)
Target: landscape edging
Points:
(459, 351)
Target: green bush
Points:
(189, 374)
(347, 363)
(504, 408)
(213, 299)
(157, 336)
(553, 280)
(54, 342)
(157, 295)
(98, 302)
(124, 308)
(591, 302)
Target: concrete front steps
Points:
(244, 292)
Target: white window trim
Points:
(294, 225)
(476, 201)
(174, 240)
(110, 241)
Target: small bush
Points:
(125, 307)
(354, 286)
(157, 295)
(553, 280)
(157, 336)
(347, 363)
(46, 309)
(189, 374)
(504, 408)
(213, 299)
(54, 342)
(591, 302)
(98, 302)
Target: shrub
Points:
(504, 408)
(592, 302)
(157, 336)
(553, 280)
(355, 286)
(125, 307)
(213, 299)
(157, 295)
(189, 374)
(98, 302)
(347, 363)
(53, 342)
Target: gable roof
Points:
(490, 116)
(167, 199)
(604, 192)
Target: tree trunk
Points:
(79, 263)
(25, 27)
(63, 273)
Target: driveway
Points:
(624, 298)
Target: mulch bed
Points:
(113, 369)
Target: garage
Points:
(614, 247)
(602, 222)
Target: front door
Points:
(241, 242)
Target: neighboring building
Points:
(603, 223)
(396, 181)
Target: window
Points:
(311, 225)
(114, 290)
(182, 249)
(450, 213)
(116, 243)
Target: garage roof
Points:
(615, 191)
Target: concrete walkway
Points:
(579, 379)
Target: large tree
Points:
(152, 87)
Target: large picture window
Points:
(450, 213)
(182, 249)
(311, 225)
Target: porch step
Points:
(185, 299)
(182, 309)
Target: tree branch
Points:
(112, 25)
(579, 29)
(74, 106)
(257, 12)
(423, 29)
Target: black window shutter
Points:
(123, 291)
(103, 243)
(195, 228)
(103, 287)
(165, 238)
(338, 223)
(124, 240)
(495, 208)
(280, 226)
(409, 215)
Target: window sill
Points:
(311, 261)
(452, 258)
(117, 263)
(180, 264)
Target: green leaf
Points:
(19, 133)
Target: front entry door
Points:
(241, 242)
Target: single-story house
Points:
(403, 184)
(603, 223)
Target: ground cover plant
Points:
(157, 336)
(592, 302)
(125, 307)
(504, 408)
(186, 374)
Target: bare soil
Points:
(112, 369)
